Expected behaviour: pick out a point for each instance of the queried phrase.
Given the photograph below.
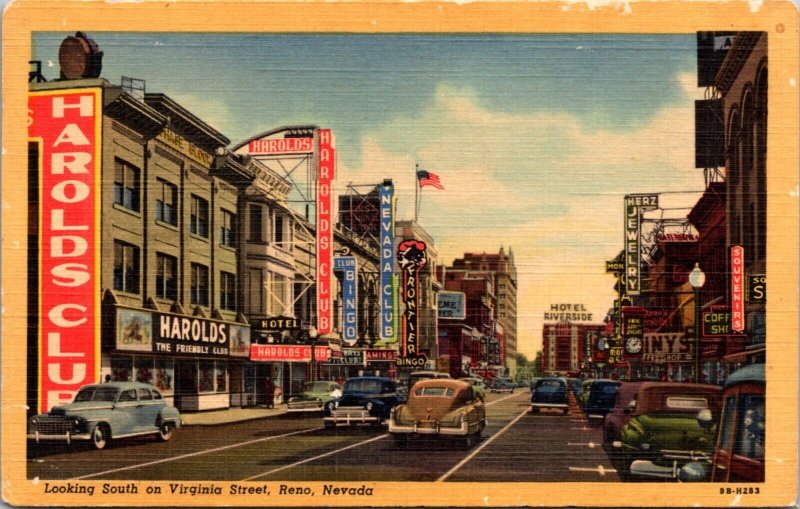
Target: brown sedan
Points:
(441, 408)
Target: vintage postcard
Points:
(400, 253)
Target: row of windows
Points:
(127, 272)
(127, 188)
(201, 376)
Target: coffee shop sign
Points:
(569, 312)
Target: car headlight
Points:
(645, 447)
(369, 405)
(76, 421)
(34, 420)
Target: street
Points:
(516, 446)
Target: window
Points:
(144, 370)
(206, 381)
(222, 376)
(751, 426)
(121, 369)
(226, 235)
(199, 285)
(165, 373)
(279, 290)
(166, 202)
(126, 185)
(726, 434)
(256, 223)
(255, 291)
(166, 276)
(278, 229)
(227, 297)
(129, 395)
(199, 219)
(144, 394)
(126, 267)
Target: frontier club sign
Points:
(411, 257)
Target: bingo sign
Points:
(66, 127)
(737, 288)
(347, 266)
(452, 305)
(386, 195)
(411, 257)
(325, 175)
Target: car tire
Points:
(165, 431)
(566, 411)
(329, 425)
(512, 391)
(469, 441)
(100, 436)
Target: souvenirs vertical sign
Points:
(65, 126)
(325, 177)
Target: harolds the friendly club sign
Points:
(65, 125)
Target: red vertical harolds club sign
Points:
(66, 125)
(325, 176)
(737, 288)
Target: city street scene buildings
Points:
(285, 273)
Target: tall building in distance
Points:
(500, 267)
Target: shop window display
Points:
(164, 375)
(144, 370)
(121, 369)
(206, 379)
(222, 377)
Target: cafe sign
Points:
(668, 347)
(717, 322)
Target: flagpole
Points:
(416, 191)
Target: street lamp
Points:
(697, 279)
(312, 336)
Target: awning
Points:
(743, 355)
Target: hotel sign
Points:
(634, 205)
(66, 127)
(325, 176)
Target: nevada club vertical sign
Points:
(325, 176)
(66, 125)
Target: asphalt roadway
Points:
(516, 446)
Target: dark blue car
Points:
(602, 395)
(364, 400)
(550, 392)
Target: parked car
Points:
(600, 401)
(104, 412)
(739, 452)
(583, 395)
(621, 412)
(550, 392)
(532, 383)
(663, 429)
(314, 397)
(417, 376)
(442, 408)
(478, 386)
(522, 384)
(502, 385)
(364, 400)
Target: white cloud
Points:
(543, 183)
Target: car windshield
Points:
(315, 387)
(97, 394)
(369, 386)
(686, 403)
(608, 389)
(435, 391)
(549, 383)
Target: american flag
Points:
(427, 178)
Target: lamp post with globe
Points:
(697, 279)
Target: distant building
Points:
(565, 347)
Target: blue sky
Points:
(537, 138)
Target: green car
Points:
(314, 397)
(478, 386)
(664, 430)
(583, 395)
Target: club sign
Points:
(347, 266)
(386, 196)
(66, 126)
(411, 257)
(325, 175)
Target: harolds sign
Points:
(66, 126)
(325, 175)
(386, 195)
(281, 146)
(184, 335)
(289, 353)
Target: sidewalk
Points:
(212, 417)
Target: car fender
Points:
(169, 414)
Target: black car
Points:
(602, 395)
(550, 392)
(364, 400)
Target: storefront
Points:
(286, 366)
(197, 363)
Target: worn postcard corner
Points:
(400, 254)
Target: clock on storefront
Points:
(633, 345)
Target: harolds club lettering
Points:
(325, 176)
(66, 127)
